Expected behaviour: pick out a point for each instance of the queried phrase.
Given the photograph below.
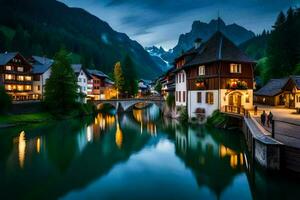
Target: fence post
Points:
(273, 128)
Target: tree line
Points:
(282, 56)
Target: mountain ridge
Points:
(45, 26)
(203, 30)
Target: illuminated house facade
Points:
(41, 72)
(215, 75)
(103, 87)
(16, 76)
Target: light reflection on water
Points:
(135, 155)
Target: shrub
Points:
(170, 101)
(5, 101)
(184, 117)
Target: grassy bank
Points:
(9, 120)
(23, 119)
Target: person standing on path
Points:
(270, 119)
(263, 118)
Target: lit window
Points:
(20, 69)
(235, 68)
(201, 71)
(209, 98)
(8, 68)
(27, 87)
(8, 77)
(8, 87)
(20, 78)
(28, 78)
(20, 87)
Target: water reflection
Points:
(22, 148)
(107, 157)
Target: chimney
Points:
(198, 43)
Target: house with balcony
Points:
(41, 71)
(103, 86)
(16, 76)
(168, 83)
(215, 75)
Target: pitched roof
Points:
(77, 68)
(6, 57)
(272, 88)
(42, 60)
(218, 48)
(96, 73)
(296, 80)
(41, 64)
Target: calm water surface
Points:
(134, 156)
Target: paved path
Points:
(287, 133)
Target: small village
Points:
(217, 118)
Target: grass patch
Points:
(25, 118)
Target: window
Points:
(298, 99)
(209, 98)
(20, 69)
(27, 87)
(179, 95)
(28, 78)
(20, 78)
(8, 68)
(38, 88)
(183, 96)
(183, 77)
(235, 68)
(179, 78)
(199, 97)
(201, 71)
(20, 87)
(8, 77)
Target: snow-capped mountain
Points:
(160, 57)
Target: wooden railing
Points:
(235, 110)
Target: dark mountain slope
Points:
(43, 27)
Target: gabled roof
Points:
(6, 57)
(296, 80)
(96, 73)
(77, 68)
(41, 64)
(218, 48)
(272, 88)
(42, 60)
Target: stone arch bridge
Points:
(128, 104)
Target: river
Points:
(138, 155)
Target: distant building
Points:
(215, 75)
(272, 93)
(277, 92)
(41, 72)
(102, 85)
(82, 78)
(144, 87)
(16, 76)
(168, 83)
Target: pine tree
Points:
(118, 78)
(131, 84)
(61, 88)
(5, 100)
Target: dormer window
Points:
(201, 71)
(236, 68)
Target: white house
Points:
(41, 72)
(215, 75)
(82, 78)
(180, 88)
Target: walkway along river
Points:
(138, 155)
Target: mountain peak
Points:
(215, 22)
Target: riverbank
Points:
(12, 120)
